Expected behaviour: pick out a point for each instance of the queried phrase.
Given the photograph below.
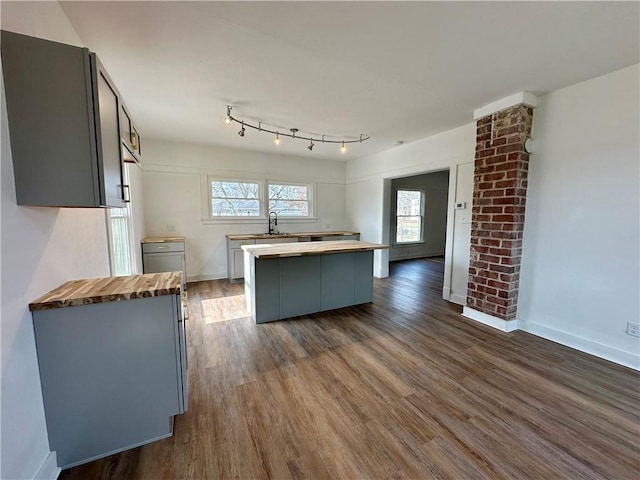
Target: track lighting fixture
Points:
(294, 134)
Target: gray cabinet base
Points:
(279, 288)
(113, 375)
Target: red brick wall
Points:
(499, 197)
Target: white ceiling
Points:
(392, 70)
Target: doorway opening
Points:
(417, 221)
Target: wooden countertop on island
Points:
(256, 236)
(110, 289)
(310, 248)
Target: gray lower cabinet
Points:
(113, 375)
(235, 255)
(64, 124)
(160, 257)
(235, 259)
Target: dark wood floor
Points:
(401, 388)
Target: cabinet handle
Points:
(126, 199)
(134, 140)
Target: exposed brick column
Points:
(497, 222)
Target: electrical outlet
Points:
(171, 228)
(633, 329)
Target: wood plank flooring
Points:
(402, 388)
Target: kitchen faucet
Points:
(272, 222)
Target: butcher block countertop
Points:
(256, 236)
(110, 289)
(310, 248)
(162, 239)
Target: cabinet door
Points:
(238, 263)
(125, 127)
(50, 109)
(163, 262)
(108, 128)
(299, 285)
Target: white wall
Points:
(366, 189)
(436, 192)
(40, 249)
(580, 265)
(460, 227)
(173, 176)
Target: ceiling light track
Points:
(229, 119)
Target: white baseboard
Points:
(203, 278)
(459, 299)
(49, 469)
(600, 350)
(596, 349)
(446, 293)
(398, 255)
(490, 320)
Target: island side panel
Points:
(338, 280)
(266, 287)
(300, 285)
(363, 277)
(108, 374)
(249, 282)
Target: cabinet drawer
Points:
(162, 247)
(267, 241)
(239, 243)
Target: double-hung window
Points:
(290, 199)
(235, 198)
(409, 215)
(120, 230)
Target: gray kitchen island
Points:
(292, 279)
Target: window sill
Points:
(406, 244)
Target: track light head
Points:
(277, 139)
(343, 149)
(227, 119)
(310, 147)
(241, 132)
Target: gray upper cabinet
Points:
(64, 125)
(130, 138)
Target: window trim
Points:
(209, 193)
(395, 216)
(310, 198)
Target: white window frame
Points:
(395, 215)
(128, 221)
(261, 190)
(206, 201)
(310, 198)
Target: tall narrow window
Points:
(289, 200)
(409, 215)
(235, 199)
(121, 237)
